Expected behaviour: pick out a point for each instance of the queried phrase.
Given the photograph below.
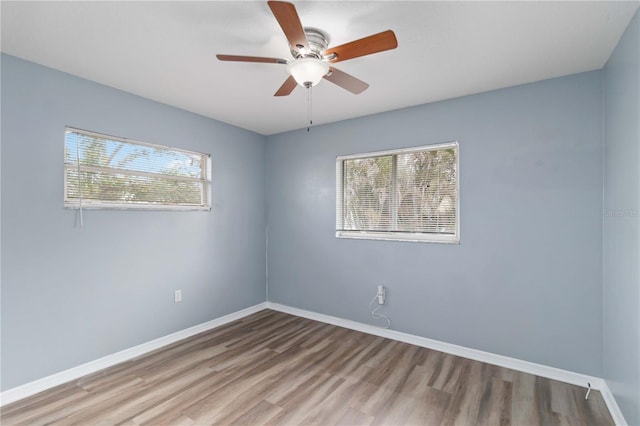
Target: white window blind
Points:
(408, 194)
(109, 172)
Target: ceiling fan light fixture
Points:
(308, 71)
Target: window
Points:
(408, 194)
(108, 172)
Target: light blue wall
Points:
(526, 279)
(71, 295)
(621, 253)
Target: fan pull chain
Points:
(309, 107)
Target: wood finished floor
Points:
(276, 369)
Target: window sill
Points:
(392, 236)
(105, 206)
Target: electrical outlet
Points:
(177, 296)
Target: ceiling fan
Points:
(311, 57)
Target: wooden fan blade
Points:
(346, 81)
(251, 59)
(289, 21)
(380, 42)
(287, 87)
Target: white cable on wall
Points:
(375, 315)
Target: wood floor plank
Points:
(354, 417)
(290, 384)
(261, 413)
(523, 406)
(296, 408)
(338, 400)
(449, 372)
(58, 412)
(277, 369)
(118, 411)
(542, 397)
(369, 397)
(562, 400)
(495, 404)
(395, 410)
(171, 407)
(429, 408)
(562, 420)
(416, 384)
(244, 392)
(464, 405)
(207, 410)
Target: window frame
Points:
(88, 204)
(395, 235)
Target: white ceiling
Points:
(165, 50)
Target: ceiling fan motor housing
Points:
(318, 43)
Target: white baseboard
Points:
(31, 388)
(612, 405)
(490, 358)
